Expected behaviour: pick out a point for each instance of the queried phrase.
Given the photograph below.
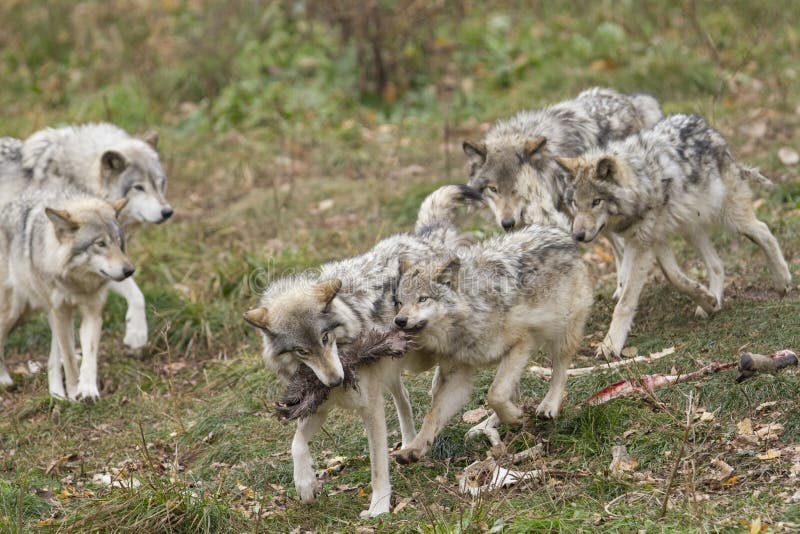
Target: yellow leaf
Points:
(745, 427)
(45, 522)
(771, 454)
(755, 525)
(732, 480)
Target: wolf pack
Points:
(604, 163)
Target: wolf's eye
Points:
(398, 304)
(596, 202)
(101, 243)
(325, 338)
(423, 299)
(301, 352)
(492, 189)
(139, 187)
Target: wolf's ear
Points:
(151, 138)
(532, 146)
(568, 164)
(447, 273)
(327, 290)
(258, 317)
(119, 204)
(62, 221)
(112, 163)
(475, 150)
(606, 170)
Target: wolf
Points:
(678, 177)
(514, 165)
(494, 303)
(59, 250)
(304, 318)
(107, 161)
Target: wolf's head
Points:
(425, 293)
(132, 170)
(508, 176)
(298, 329)
(593, 192)
(90, 231)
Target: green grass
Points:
(263, 121)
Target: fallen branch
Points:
(547, 372)
(748, 365)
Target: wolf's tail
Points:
(438, 210)
(648, 107)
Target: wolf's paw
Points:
(548, 409)
(784, 285)
(308, 491)
(87, 392)
(407, 456)
(57, 391)
(135, 338)
(5, 378)
(700, 313)
(606, 351)
(375, 511)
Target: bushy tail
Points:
(648, 107)
(438, 210)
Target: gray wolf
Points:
(106, 161)
(514, 165)
(303, 319)
(678, 177)
(495, 303)
(59, 250)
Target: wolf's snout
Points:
(401, 321)
(579, 236)
(337, 382)
(128, 270)
(508, 224)
(166, 213)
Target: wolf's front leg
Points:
(636, 264)
(375, 423)
(455, 386)
(91, 328)
(62, 328)
(135, 318)
(305, 482)
(55, 380)
(506, 381)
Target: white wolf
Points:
(59, 250)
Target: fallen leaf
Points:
(769, 432)
(764, 405)
(724, 470)
(788, 156)
(630, 352)
(621, 461)
(475, 416)
(771, 454)
(755, 525)
(745, 427)
(402, 503)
